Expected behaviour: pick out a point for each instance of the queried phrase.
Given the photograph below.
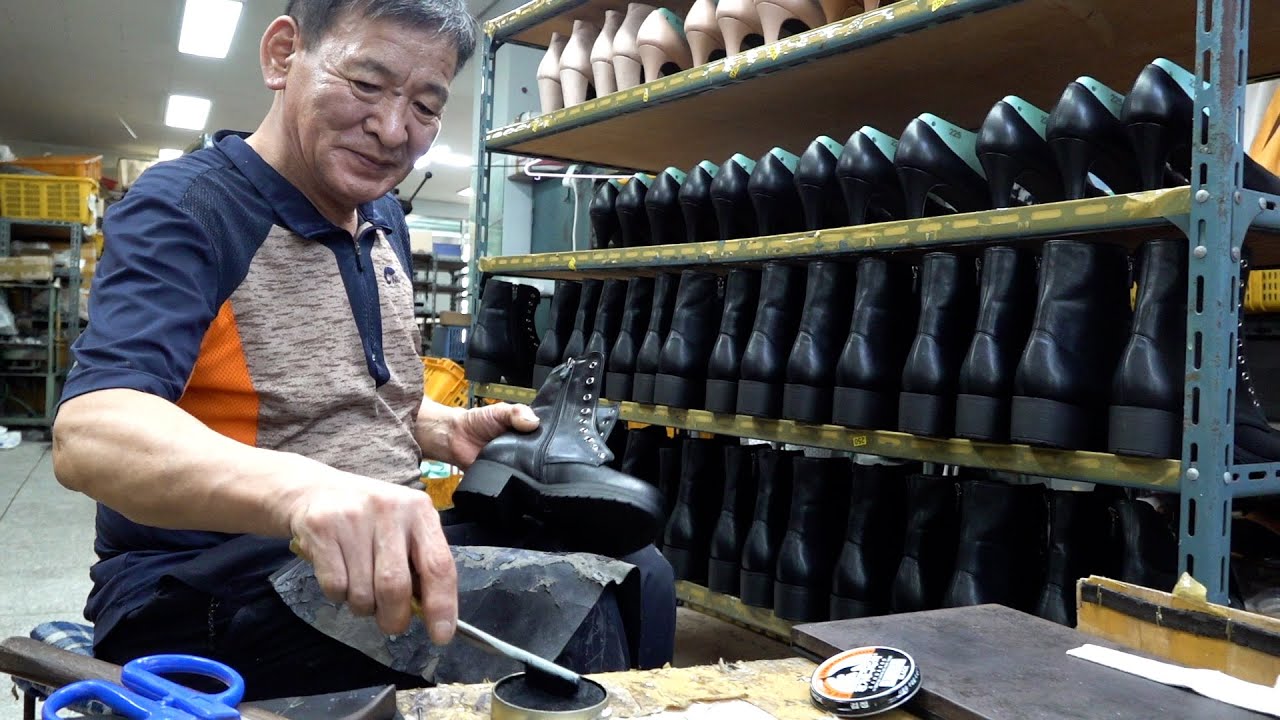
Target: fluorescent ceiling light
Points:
(168, 154)
(186, 112)
(442, 155)
(208, 26)
(467, 192)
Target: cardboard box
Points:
(455, 319)
(26, 268)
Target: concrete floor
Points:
(46, 533)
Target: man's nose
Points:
(390, 122)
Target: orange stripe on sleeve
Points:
(220, 392)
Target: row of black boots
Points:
(818, 538)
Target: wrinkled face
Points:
(363, 103)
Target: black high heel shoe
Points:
(773, 193)
(867, 178)
(632, 218)
(735, 217)
(1158, 115)
(1012, 149)
(1086, 136)
(816, 183)
(662, 205)
(604, 216)
(939, 159)
(695, 203)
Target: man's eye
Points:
(364, 87)
(423, 109)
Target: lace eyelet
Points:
(587, 397)
(591, 381)
(593, 364)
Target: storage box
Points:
(455, 319)
(86, 166)
(452, 251)
(26, 268)
(48, 197)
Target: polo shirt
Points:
(223, 290)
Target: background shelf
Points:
(727, 607)
(531, 24)
(952, 57)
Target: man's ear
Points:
(280, 43)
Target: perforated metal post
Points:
(1213, 292)
(481, 178)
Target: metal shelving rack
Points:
(955, 58)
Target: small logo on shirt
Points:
(389, 274)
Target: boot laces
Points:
(1242, 364)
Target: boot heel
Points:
(485, 371)
(767, 217)
(927, 415)
(722, 576)
(722, 396)
(843, 608)
(1002, 171)
(1075, 157)
(857, 199)
(916, 185)
(688, 564)
(759, 399)
(1144, 432)
(642, 388)
(1152, 143)
(1049, 423)
(487, 491)
(617, 386)
(675, 391)
(738, 36)
(804, 403)
(757, 589)
(799, 603)
(858, 408)
(980, 417)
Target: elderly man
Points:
(250, 374)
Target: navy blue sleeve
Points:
(154, 295)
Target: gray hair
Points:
(448, 18)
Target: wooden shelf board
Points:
(727, 607)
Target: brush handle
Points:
(488, 642)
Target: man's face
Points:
(364, 103)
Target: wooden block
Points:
(455, 319)
(26, 268)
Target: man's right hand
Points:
(373, 544)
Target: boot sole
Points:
(540, 374)
(642, 388)
(843, 608)
(982, 417)
(759, 399)
(688, 564)
(722, 576)
(1049, 423)
(617, 386)
(676, 391)
(722, 396)
(858, 408)
(806, 403)
(484, 371)
(610, 517)
(799, 603)
(757, 589)
(1144, 432)
(926, 415)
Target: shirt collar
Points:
(297, 212)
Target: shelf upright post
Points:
(480, 236)
(1213, 289)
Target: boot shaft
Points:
(997, 512)
(1160, 311)
(633, 220)
(882, 325)
(1006, 303)
(828, 305)
(662, 205)
(877, 502)
(777, 319)
(1080, 280)
(948, 297)
(932, 505)
(741, 470)
(635, 322)
(584, 318)
(695, 203)
(608, 317)
(604, 216)
(774, 488)
(564, 306)
(819, 495)
(660, 314)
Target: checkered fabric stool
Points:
(71, 636)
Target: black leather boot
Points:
(664, 304)
(489, 349)
(635, 321)
(687, 540)
(869, 372)
(740, 474)
(604, 216)
(1006, 307)
(695, 203)
(557, 472)
(768, 525)
(807, 557)
(735, 216)
(1062, 385)
(669, 459)
(633, 220)
(1087, 138)
(608, 320)
(1077, 548)
(773, 194)
(938, 161)
(948, 309)
(811, 365)
(741, 295)
(872, 543)
(525, 334)
(929, 547)
(999, 553)
(564, 303)
(1146, 392)
(682, 368)
(584, 319)
(819, 189)
(1150, 546)
(640, 458)
(764, 362)
(868, 179)
(662, 204)
(1011, 146)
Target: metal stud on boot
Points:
(558, 475)
(768, 525)
(802, 584)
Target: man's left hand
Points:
(456, 435)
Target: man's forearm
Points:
(151, 461)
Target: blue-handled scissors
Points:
(143, 693)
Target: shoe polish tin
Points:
(515, 699)
(864, 681)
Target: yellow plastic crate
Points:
(1262, 294)
(88, 166)
(444, 381)
(47, 197)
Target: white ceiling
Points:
(70, 70)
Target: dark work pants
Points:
(279, 655)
